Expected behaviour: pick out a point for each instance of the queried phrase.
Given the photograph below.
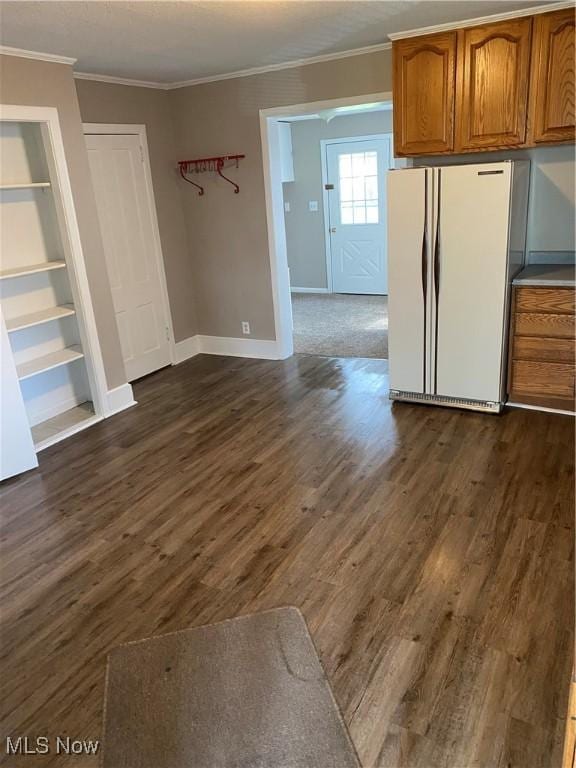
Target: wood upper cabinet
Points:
(493, 75)
(553, 83)
(424, 94)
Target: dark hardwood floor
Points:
(430, 550)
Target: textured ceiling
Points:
(175, 41)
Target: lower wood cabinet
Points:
(541, 368)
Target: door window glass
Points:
(358, 177)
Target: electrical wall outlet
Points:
(313, 205)
(287, 207)
(245, 328)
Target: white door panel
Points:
(474, 202)
(120, 189)
(357, 215)
(408, 254)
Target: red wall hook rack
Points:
(203, 164)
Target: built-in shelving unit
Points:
(43, 303)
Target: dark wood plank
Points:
(431, 551)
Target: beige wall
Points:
(108, 103)
(227, 232)
(305, 229)
(37, 83)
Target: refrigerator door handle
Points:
(425, 272)
(436, 265)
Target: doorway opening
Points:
(325, 169)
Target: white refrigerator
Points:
(456, 238)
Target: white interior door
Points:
(357, 214)
(471, 274)
(120, 186)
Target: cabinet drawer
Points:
(541, 324)
(555, 300)
(548, 379)
(543, 349)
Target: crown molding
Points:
(5, 50)
(534, 11)
(121, 81)
(285, 65)
(238, 73)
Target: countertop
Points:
(547, 275)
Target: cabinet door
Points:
(493, 65)
(553, 80)
(424, 94)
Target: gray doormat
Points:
(245, 693)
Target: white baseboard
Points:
(235, 347)
(120, 398)
(262, 349)
(308, 290)
(540, 408)
(183, 350)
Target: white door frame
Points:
(124, 129)
(47, 118)
(278, 256)
(326, 197)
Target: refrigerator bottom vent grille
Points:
(456, 402)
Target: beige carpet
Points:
(340, 325)
(244, 693)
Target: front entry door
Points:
(119, 182)
(356, 173)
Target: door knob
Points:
(332, 229)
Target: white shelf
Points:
(48, 362)
(32, 269)
(29, 185)
(38, 318)
(64, 425)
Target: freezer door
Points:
(409, 274)
(470, 280)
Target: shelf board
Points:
(32, 269)
(38, 318)
(48, 362)
(64, 425)
(28, 185)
